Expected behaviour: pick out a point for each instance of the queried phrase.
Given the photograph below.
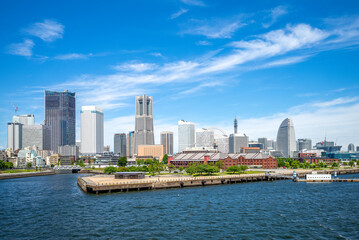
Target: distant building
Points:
(255, 145)
(286, 142)
(222, 143)
(167, 142)
(264, 142)
(351, 148)
(106, 149)
(204, 138)
(151, 151)
(14, 136)
(119, 144)
(92, 130)
(130, 145)
(36, 135)
(78, 143)
(28, 119)
(69, 150)
(236, 142)
(144, 121)
(250, 150)
(186, 135)
(60, 116)
(328, 146)
(304, 143)
(357, 148)
(271, 144)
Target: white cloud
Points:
(179, 13)
(72, 56)
(194, 2)
(337, 101)
(157, 54)
(275, 13)
(21, 49)
(48, 30)
(204, 43)
(214, 28)
(137, 67)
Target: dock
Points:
(26, 174)
(107, 183)
(328, 180)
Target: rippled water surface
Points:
(53, 207)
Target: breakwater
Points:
(107, 183)
(26, 174)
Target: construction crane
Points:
(15, 108)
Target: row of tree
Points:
(6, 165)
(290, 163)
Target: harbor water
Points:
(54, 207)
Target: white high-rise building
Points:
(286, 142)
(92, 130)
(14, 136)
(222, 143)
(204, 138)
(28, 119)
(36, 135)
(186, 135)
(237, 141)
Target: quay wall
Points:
(26, 174)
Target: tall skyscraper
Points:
(119, 144)
(167, 142)
(264, 141)
(130, 145)
(144, 121)
(92, 130)
(204, 138)
(14, 136)
(186, 135)
(235, 125)
(60, 116)
(236, 142)
(286, 142)
(304, 143)
(36, 135)
(28, 119)
(351, 147)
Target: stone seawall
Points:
(26, 174)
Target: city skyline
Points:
(209, 69)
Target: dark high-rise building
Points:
(60, 116)
(235, 125)
(167, 142)
(144, 122)
(130, 144)
(304, 143)
(119, 145)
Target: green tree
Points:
(180, 168)
(36, 168)
(171, 167)
(140, 162)
(295, 164)
(220, 164)
(165, 159)
(110, 170)
(281, 162)
(345, 163)
(357, 163)
(335, 164)
(28, 165)
(351, 163)
(233, 169)
(155, 167)
(122, 162)
(148, 161)
(243, 168)
(287, 165)
(306, 165)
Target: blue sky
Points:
(202, 61)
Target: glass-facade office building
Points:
(60, 116)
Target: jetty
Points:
(107, 183)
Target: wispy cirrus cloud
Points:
(204, 43)
(179, 13)
(289, 45)
(73, 56)
(21, 49)
(337, 101)
(215, 28)
(275, 13)
(194, 2)
(48, 30)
